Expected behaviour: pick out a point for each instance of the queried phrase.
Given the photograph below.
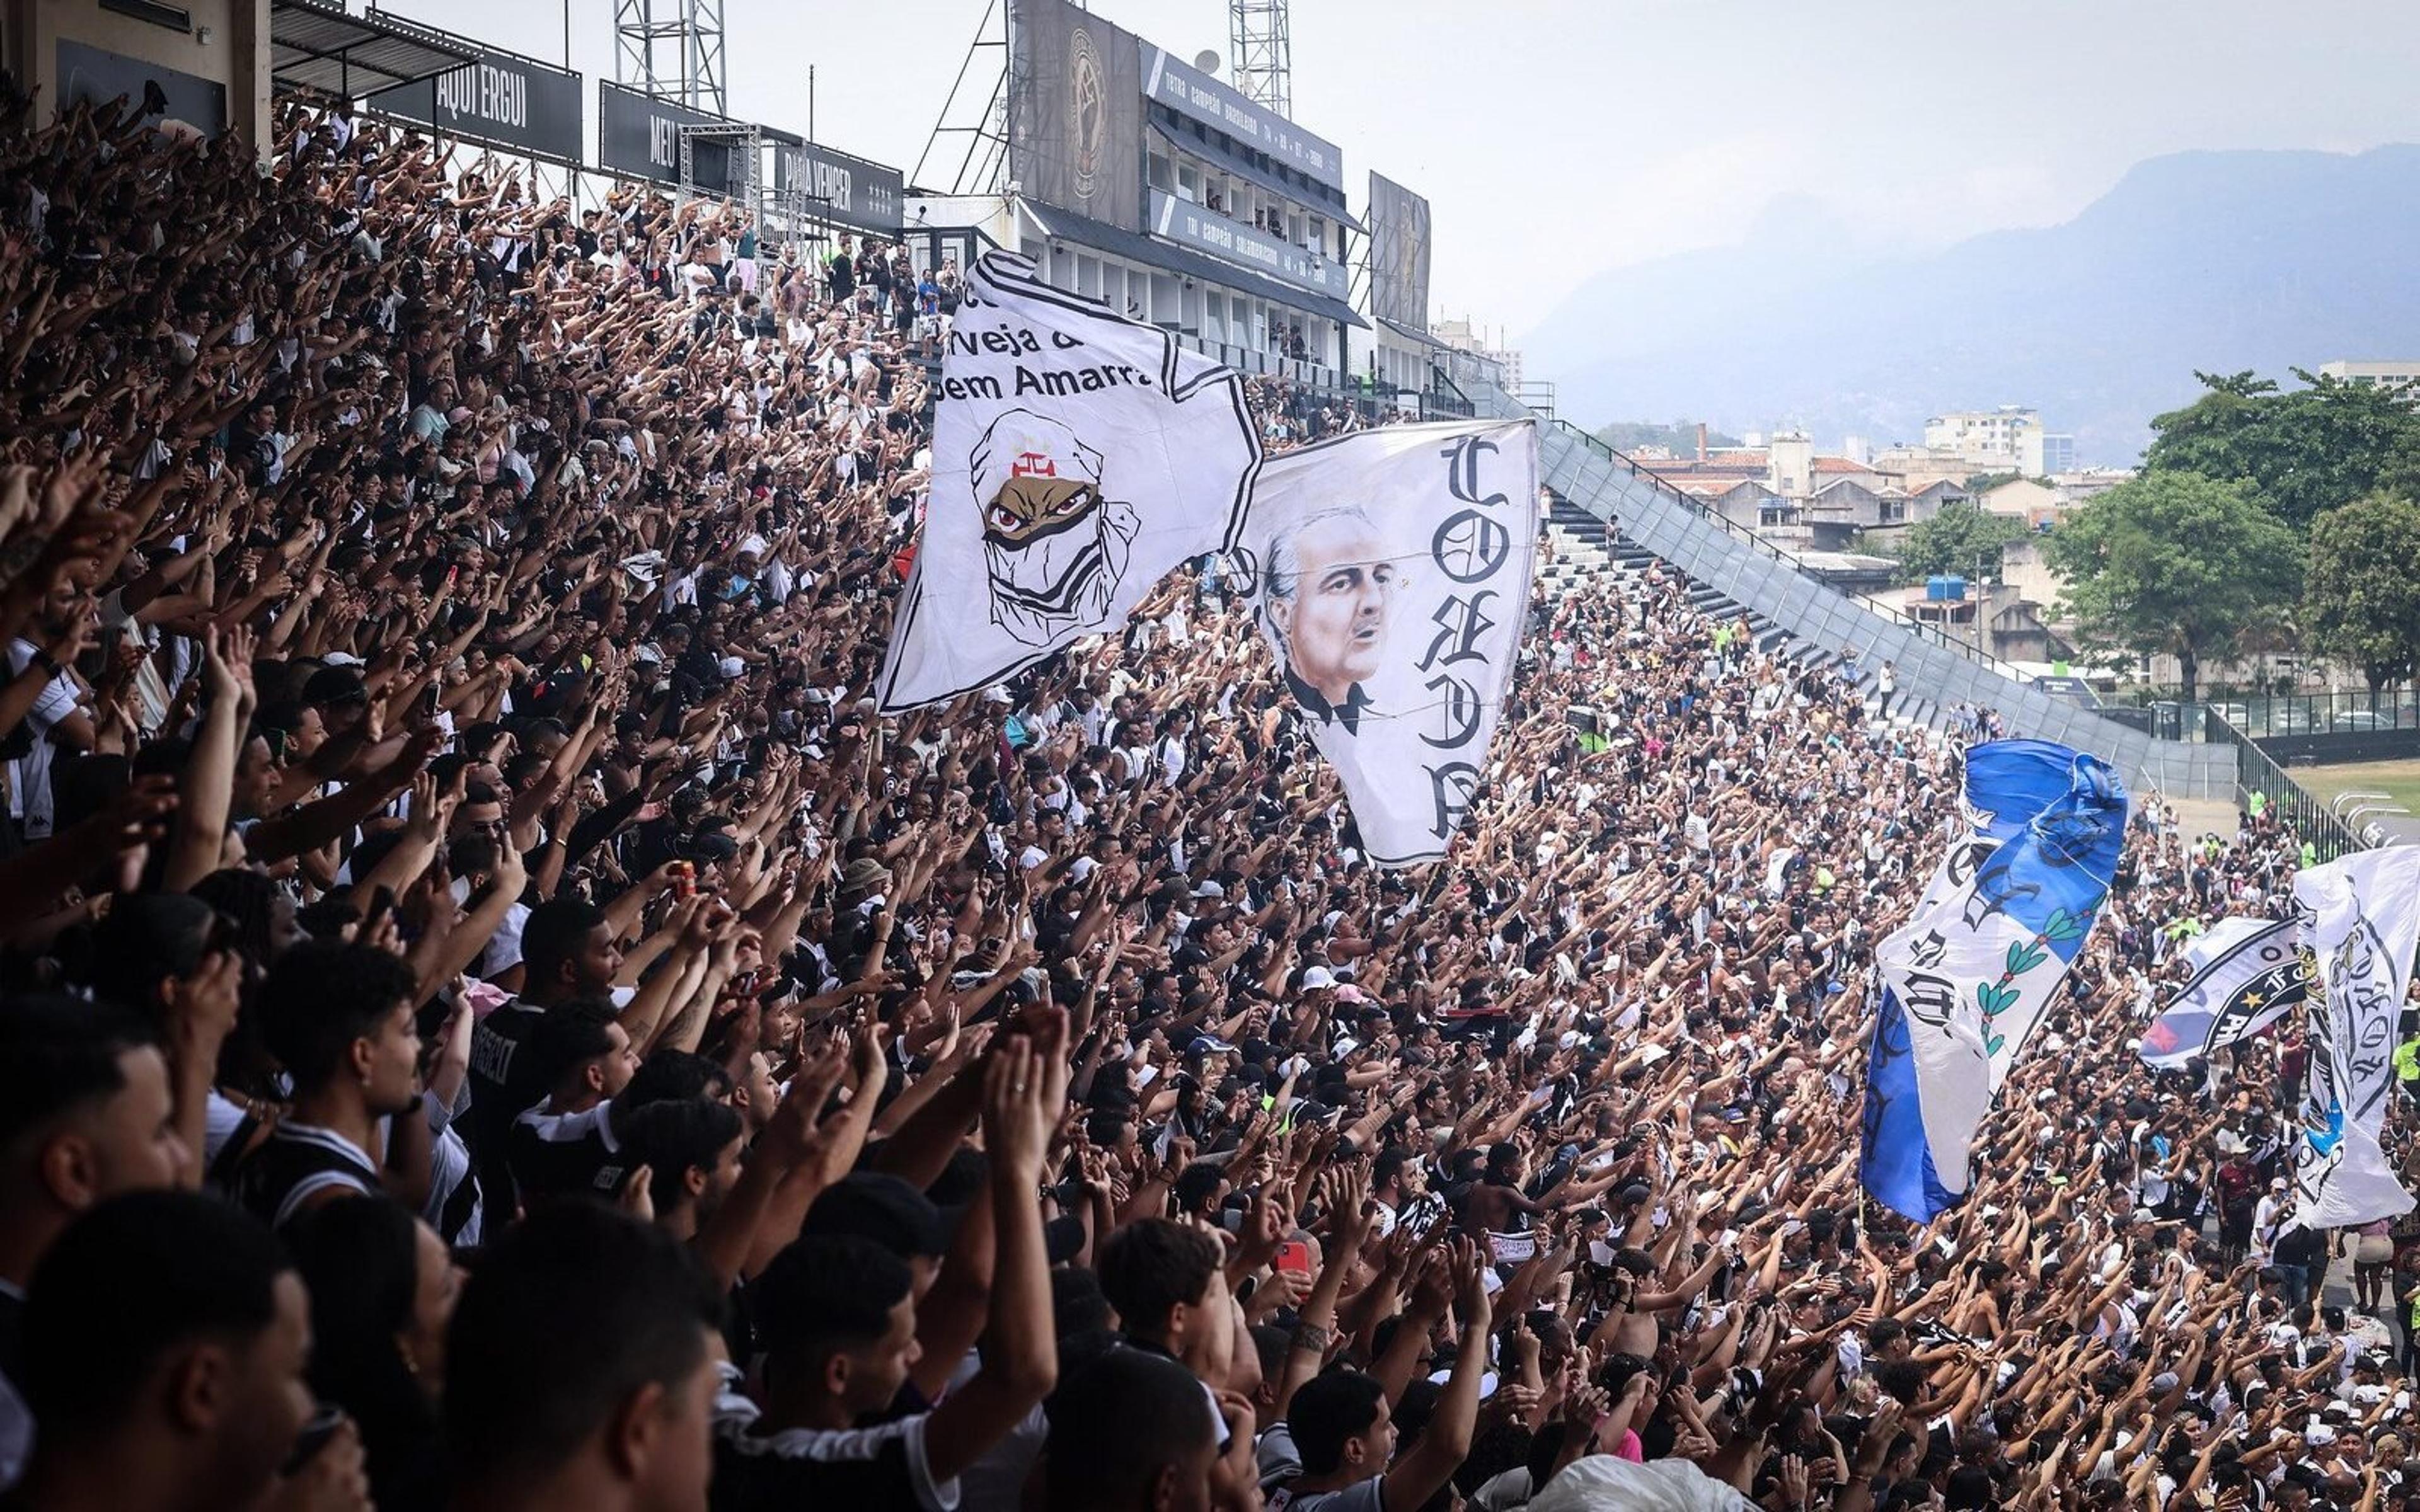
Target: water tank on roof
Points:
(1944, 587)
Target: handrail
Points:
(1876, 607)
(2255, 771)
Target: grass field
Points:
(2401, 780)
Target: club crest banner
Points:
(1390, 575)
(2248, 974)
(1077, 457)
(2361, 915)
(1972, 972)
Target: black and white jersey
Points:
(296, 1164)
(760, 1471)
(503, 1084)
(566, 1155)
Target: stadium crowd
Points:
(494, 1020)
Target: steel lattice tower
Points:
(671, 49)
(1260, 43)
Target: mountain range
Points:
(2213, 260)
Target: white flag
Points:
(1391, 573)
(2362, 914)
(2248, 974)
(1077, 457)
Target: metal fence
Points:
(2314, 821)
(2319, 714)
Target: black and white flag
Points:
(1079, 456)
(1391, 575)
(2362, 915)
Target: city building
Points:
(1920, 465)
(1992, 439)
(1802, 499)
(2040, 453)
(1463, 336)
(2373, 374)
(2035, 502)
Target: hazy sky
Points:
(1558, 139)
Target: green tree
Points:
(1958, 539)
(2360, 599)
(2174, 563)
(2303, 451)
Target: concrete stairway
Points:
(1637, 518)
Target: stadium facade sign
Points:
(639, 136)
(1190, 92)
(1230, 240)
(1075, 120)
(503, 100)
(1399, 253)
(847, 191)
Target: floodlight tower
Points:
(671, 49)
(1260, 40)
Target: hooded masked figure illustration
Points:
(1054, 547)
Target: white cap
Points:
(1315, 978)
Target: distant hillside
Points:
(2211, 260)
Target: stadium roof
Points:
(1411, 334)
(1101, 237)
(317, 47)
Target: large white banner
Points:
(2248, 974)
(1077, 457)
(1390, 573)
(2362, 915)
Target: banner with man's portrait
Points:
(1390, 575)
(1079, 457)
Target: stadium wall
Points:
(73, 49)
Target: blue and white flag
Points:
(2248, 974)
(1976, 966)
(2363, 916)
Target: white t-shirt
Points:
(29, 779)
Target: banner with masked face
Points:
(2248, 974)
(1976, 966)
(2361, 915)
(1391, 575)
(1079, 456)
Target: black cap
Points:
(333, 685)
(881, 1208)
(1063, 1239)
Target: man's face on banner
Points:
(1334, 624)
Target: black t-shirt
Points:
(294, 1165)
(566, 1155)
(504, 1084)
(775, 1472)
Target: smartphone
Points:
(1294, 1256)
(381, 899)
(313, 1439)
